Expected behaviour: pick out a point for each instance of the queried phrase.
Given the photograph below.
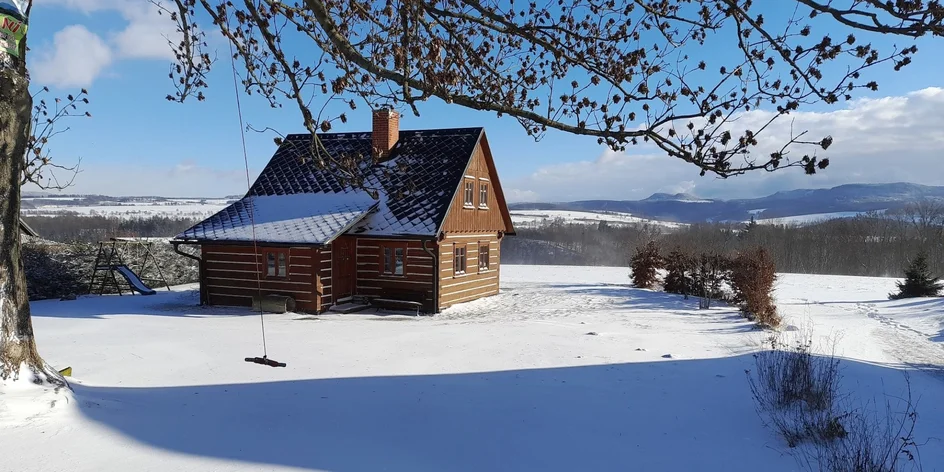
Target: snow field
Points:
(569, 368)
(539, 217)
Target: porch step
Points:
(348, 307)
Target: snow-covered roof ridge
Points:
(414, 188)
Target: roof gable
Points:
(494, 216)
(496, 186)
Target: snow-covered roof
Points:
(306, 218)
(295, 202)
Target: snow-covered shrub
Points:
(645, 264)
(753, 274)
(56, 270)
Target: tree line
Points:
(872, 244)
(91, 229)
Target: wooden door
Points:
(344, 266)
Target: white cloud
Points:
(888, 139)
(77, 58)
(146, 35)
(66, 62)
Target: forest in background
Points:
(92, 229)
(873, 244)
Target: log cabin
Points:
(423, 231)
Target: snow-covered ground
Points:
(569, 368)
(539, 217)
(808, 219)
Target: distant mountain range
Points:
(685, 208)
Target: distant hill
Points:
(791, 205)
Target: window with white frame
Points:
(483, 256)
(276, 263)
(483, 194)
(458, 265)
(469, 193)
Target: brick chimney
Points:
(385, 131)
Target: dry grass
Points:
(798, 394)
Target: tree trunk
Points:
(17, 344)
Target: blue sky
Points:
(137, 143)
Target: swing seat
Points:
(265, 361)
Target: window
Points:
(469, 193)
(458, 266)
(276, 263)
(483, 195)
(394, 260)
(483, 257)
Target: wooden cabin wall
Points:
(457, 288)
(418, 273)
(230, 275)
(323, 283)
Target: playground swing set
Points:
(109, 261)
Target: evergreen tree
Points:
(679, 265)
(919, 282)
(645, 263)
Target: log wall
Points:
(324, 278)
(418, 270)
(457, 288)
(233, 274)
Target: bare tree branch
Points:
(624, 72)
(38, 166)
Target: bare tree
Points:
(625, 72)
(25, 131)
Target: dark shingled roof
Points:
(415, 186)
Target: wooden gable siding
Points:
(473, 284)
(233, 274)
(418, 270)
(462, 218)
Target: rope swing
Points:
(264, 360)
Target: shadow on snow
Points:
(658, 415)
(163, 303)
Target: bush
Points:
(645, 263)
(679, 266)
(711, 273)
(918, 281)
(55, 271)
(752, 278)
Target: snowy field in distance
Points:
(539, 217)
(184, 207)
(808, 219)
(568, 368)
